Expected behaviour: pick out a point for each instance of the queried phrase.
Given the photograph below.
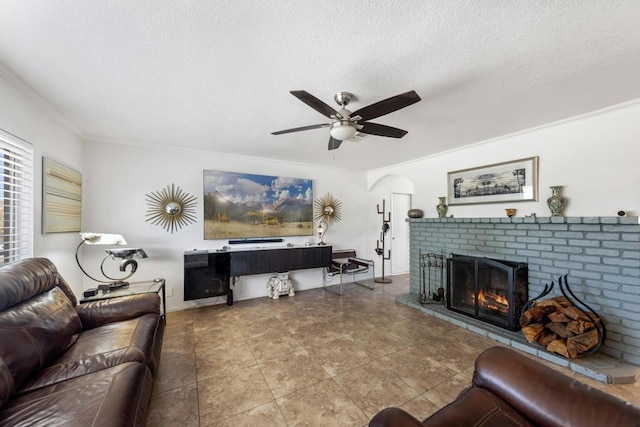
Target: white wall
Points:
(595, 157)
(117, 177)
(30, 119)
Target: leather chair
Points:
(509, 389)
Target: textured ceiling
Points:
(216, 75)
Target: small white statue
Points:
(280, 285)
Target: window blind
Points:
(16, 198)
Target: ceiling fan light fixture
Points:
(342, 130)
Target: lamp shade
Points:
(127, 255)
(102, 239)
(342, 129)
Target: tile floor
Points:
(315, 359)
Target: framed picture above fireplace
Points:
(513, 181)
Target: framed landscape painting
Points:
(241, 205)
(514, 181)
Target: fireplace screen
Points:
(486, 289)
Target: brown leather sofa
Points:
(510, 389)
(69, 364)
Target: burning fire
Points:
(492, 301)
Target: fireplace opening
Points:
(494, 291)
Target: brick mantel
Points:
(600, 255)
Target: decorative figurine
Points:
(280, 285)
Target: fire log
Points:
(579, 327)
(546, 337)
(493, 300)
(574, 313)
(549, 305)
(563, 301)
(581, 343)
(532, 315)
(559, 317)
(527, 318)
(560, 329)
(532, 331)
(558, 346)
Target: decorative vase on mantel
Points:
(556, 202)
(415, 213)
(442, 207)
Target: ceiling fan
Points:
(346, 123)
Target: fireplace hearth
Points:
(494, 291)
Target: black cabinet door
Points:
(244, 263)
(318, 256)
(283, 260)
(206, 280)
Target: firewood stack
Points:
(560, 327)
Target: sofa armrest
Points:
(546, 396)
(394, 417)
(97, 313)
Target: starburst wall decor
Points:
(327, 212)
(327, 209)
(171, 208)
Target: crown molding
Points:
(27, 91)
(578, 117)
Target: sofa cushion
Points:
(134, 340)
(64, 286)
(25, 279)
(97, 313)
(478, 407)
(7, 386)
(114, 397)
(35, 332)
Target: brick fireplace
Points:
(600, 255)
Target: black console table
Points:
(208, 274)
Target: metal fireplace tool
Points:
(431, 278)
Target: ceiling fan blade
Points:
(315, 103)
(387, 106)
(334, 143)
(381, 130)
(280, 132)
